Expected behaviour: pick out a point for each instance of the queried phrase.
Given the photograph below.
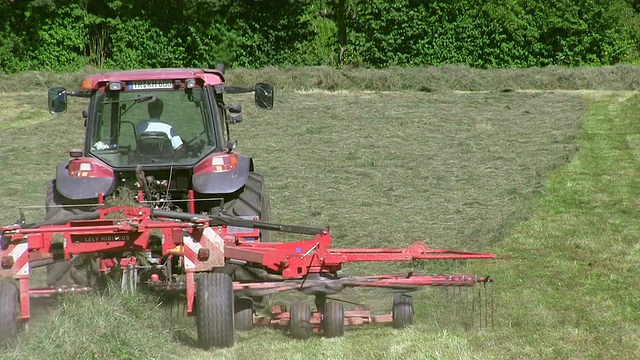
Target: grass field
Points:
(546, 180)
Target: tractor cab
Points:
(153, 117)
(164, 132)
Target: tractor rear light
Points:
(218, 163)
(203, 254)
(6, 262)
(85, 167)
(224, 162)
(190, 83)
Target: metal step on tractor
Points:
(160, 199)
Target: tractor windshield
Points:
(151, 127)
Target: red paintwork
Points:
(207, 76)
(294, 261)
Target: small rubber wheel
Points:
(300, 322)
(402, 311)
(214, 310)
(243, 309)
(9, 310)
(333, 319)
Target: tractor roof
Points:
(209, 76)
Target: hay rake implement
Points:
(199, 254)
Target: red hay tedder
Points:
(196, 246)
(201, 223)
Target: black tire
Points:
(214, 310)
(333, 319)
(243, 313)
(252, 201)
(64, 273)
(9, 310)
(81, 271)
(59, 274)
(53, 206)
(402, 311)
(300, 320)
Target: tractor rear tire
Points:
(214, 310)
(53, 205)
(300, 320)
(402, 311)
(243, 308)
(9, 309)
(252, 201)
(65, 273)
(81, 271)
(59, 274)
(333, 319)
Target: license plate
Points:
(151, 84)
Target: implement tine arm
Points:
(300, 258)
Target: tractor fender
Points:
(223, 182)
(81, 188)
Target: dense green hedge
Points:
(67, 35)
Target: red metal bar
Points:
(25, 308)
(191, 292)
(48, 292)
(192, 203)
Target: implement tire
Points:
(9, 309)
(214, 310)
(243, 309)
(300, 320)
(333, 319)
(402, 311)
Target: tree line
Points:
(115, 34)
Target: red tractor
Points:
(163, 133)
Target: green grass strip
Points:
(569, 277)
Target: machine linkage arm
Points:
(219, 220)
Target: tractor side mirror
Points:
(57, 100)
(264, 96)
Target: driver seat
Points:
(154, 143)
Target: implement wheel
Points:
(402, 311)
(333, 319)
(300, 321)
(9, 309)
(214, 310)
(243, 314)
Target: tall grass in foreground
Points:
(92, 326)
